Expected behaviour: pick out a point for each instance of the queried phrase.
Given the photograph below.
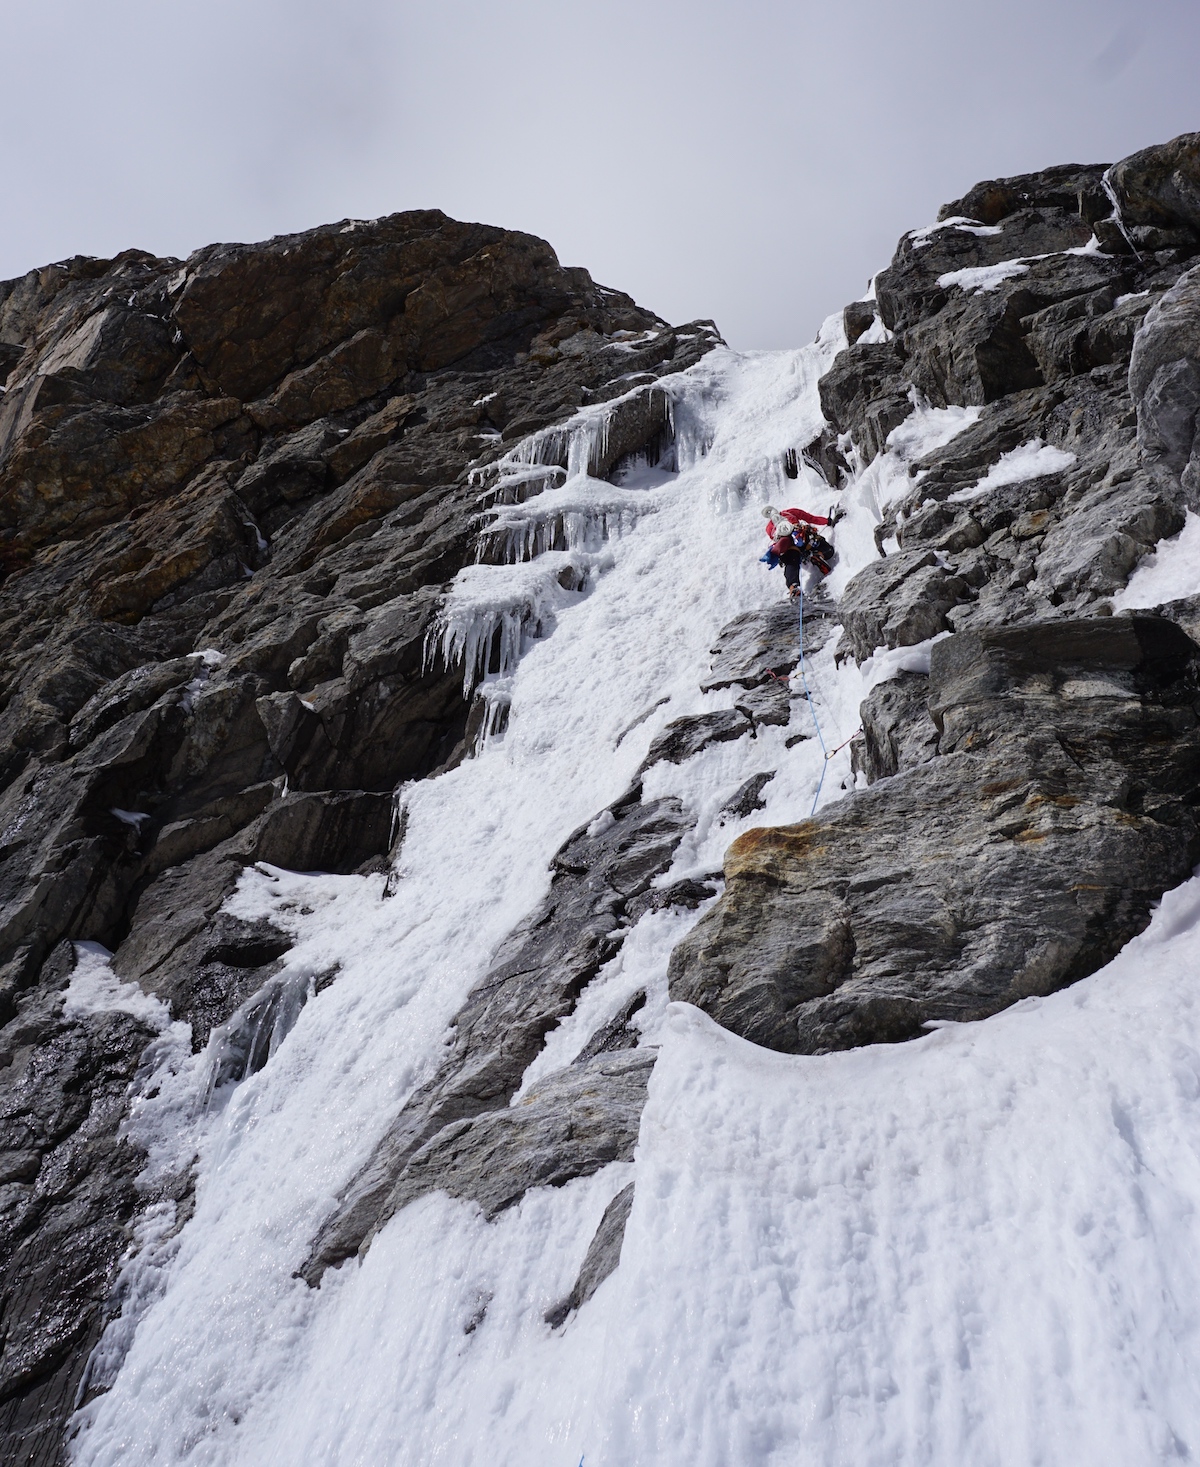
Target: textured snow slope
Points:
(972, 1248)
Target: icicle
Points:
(492, 614)
(514, 486)
(573, 525)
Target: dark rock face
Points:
(1075, 351)
(898, 731)
(232, 491)
(1060, 805)
(1072, 187)
(909, 292)
(603, 1255)
(684, 737)
(1049, 317)
(899, 601)
(67, 1195)
(1160, 186)
(761, 646)
(1164, 380)
(865, 393)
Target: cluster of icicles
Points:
(540, 547)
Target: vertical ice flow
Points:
(880, 1257)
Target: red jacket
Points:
(781, 535)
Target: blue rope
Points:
(812, 708)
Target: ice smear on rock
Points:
(979, 278)
(95, 989)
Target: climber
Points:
(796, 545)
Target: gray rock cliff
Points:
(233, 492)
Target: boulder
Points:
(858, 318)
(898, 601)
(763, 644)
(1161, 185)
(568, 1125)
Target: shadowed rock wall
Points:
(232, 491)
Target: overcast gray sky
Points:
(752, 161)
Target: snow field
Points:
(979, 1247)
(966, 1249)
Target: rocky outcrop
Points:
(1158, 193)
(68, 1195)
(603, 1255)
(896, 732)
(1071, 187)
(232, 491)
(1034, 795)
(1059, 806)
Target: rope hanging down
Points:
(828, 753)
(813, 709)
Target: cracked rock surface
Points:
(233, 493)
(1060, 804)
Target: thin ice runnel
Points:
(246, 1041)
(691, 431)
(495, 694)
(1106, 184)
